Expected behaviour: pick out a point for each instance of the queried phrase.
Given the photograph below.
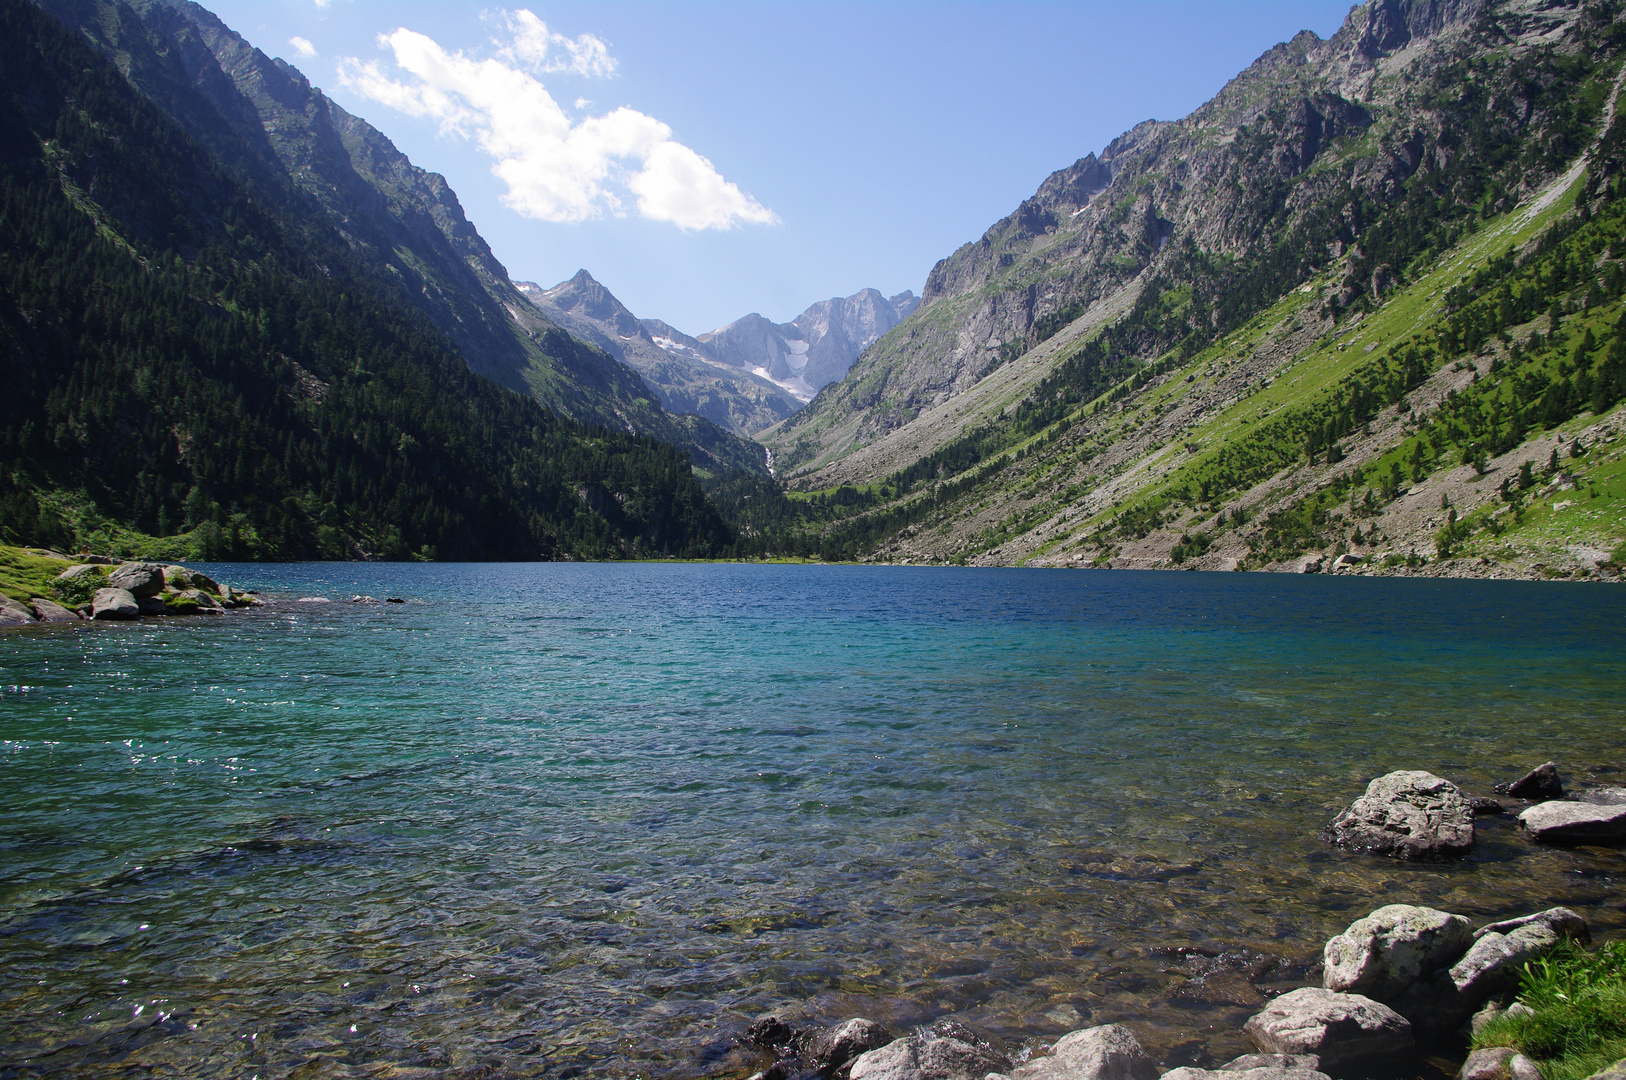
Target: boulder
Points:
(1347, 561)
(1407, 814)
(1482, 805)
(1263, 1072)
(1272, 1061)
(829, 1049)
(51, 611)
(1310, 564)
(205, 601)
(1108, 1052)
(14, 612)
(928, 1057)
(1604, 796)
(139, 579)
(1575, 823)
(1561, 920)
(152, 605)
(1339, 1029)
(79, 571)
(1384, 953)
(1617, 1071)
(1498, 1063)
(1539, 783)
(114, 604)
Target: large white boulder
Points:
(1384, 953)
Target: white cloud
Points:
(302, 46)
(555, 169)
(322, 3)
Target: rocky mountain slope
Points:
(265, 123)
(688, 378)
(1368, 264)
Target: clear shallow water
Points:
(593, 820)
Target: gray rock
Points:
(1498, 1063)
(1262, 1072)
(139, 579)
(1482, 805)
(1483, 1017)
(1108, 1052)
(51, 611)
(152, 605)
(183, 577)
(1495, 962)
(1407, 814)
(1272, 1061)
(1604, 796)
(928, 1058)
(15, 612)
(1339, 1029)
(1542, 782)
(207, 602)
(1384, 953)
(114, 604)
(1560, 920)
(1575, 823)
(1617, 1071)
(78, 571)
(833, 1047)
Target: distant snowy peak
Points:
(818, 346)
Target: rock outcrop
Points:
(1341, 1030)
(1406, 814)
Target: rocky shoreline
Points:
(99, 588)
(1400, 982)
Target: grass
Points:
(1579, 1025)
(24, 575)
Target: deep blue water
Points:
(594, 819)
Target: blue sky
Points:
(705, 160)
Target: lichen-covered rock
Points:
(1108, 1052)
(1339, 1029)
(929, 1058)
(15, 612)
(1542, 782)
(1262, 1072)
(1408, 814)
(829, 1049)
(138, 579)
(1498, 1063)
(1575, 823)
(51, 611)
(1384, 953)
(114, 603)
(1560, 920)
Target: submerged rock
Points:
(829, 1049)
(1575, 823)
(1339, 1029)
(1248, 1062)
(1389, 950)
(1542, 782)
(1407, 814)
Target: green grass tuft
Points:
(1579, 1026)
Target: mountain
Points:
(681, 370)
(303, 154)
(814, 349)
(1365, 301)
(197, 349)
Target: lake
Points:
(593, 820)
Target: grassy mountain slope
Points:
(1194, 425)
(301, 153)
(186, 359)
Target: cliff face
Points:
(1293, 150)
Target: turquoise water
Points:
(593, 820)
